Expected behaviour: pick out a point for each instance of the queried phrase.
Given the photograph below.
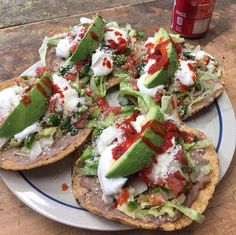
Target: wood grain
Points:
(18, 50)
(19, 12)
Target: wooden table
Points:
(23, 24)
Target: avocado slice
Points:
(139, 153)
(164, 74)
(90, 41)
(25, 115)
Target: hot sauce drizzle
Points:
(41, 89)
(94, 36)
(160, 56)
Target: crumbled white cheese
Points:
(70, 99)
(113, 185)
(35, 127)
(138, 123)
(166, 164)
(61, 82)
(39, 146)
(202, 54)
(108, 136)
(145, 90)
(184, 74)
(63, 48)
(85, 20)
(9, 99)
(102, 63)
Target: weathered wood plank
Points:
(19, 12)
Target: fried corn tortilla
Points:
(216, 90)
(60, 149)
(88, 193)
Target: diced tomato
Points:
(73, 48)
(103, 104)
(178, 48)
(180, 156)
(207, 60)
(166, 145)
(149, 47)
(144, 175)
(156, 200)
(113, 109)
(82, 121)
(123, 196)
(158, 96)
(70, 76)
(188, 137)
(175, 183)
(88, 92)
(42, 69)
(183, 87)
(114, 205)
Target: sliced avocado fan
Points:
(90, 41)
(163, 75)
(25, 115)
(139, 153)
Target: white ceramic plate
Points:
(40, 188)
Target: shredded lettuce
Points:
(99, 125)
(132, 32)
(176, 38)
(191, 213)
(47, 132)
(14, 143)
(202, 144)
(90, 168)
(43, 49)
(98, 85)
(204, 75)
(171, 112)
(102, 123)
(120, 73)
(90, 160)
(159, 211)
(187, 147)
(128, 110)
(86, 154)
(145, 102)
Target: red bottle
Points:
(191, 18)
